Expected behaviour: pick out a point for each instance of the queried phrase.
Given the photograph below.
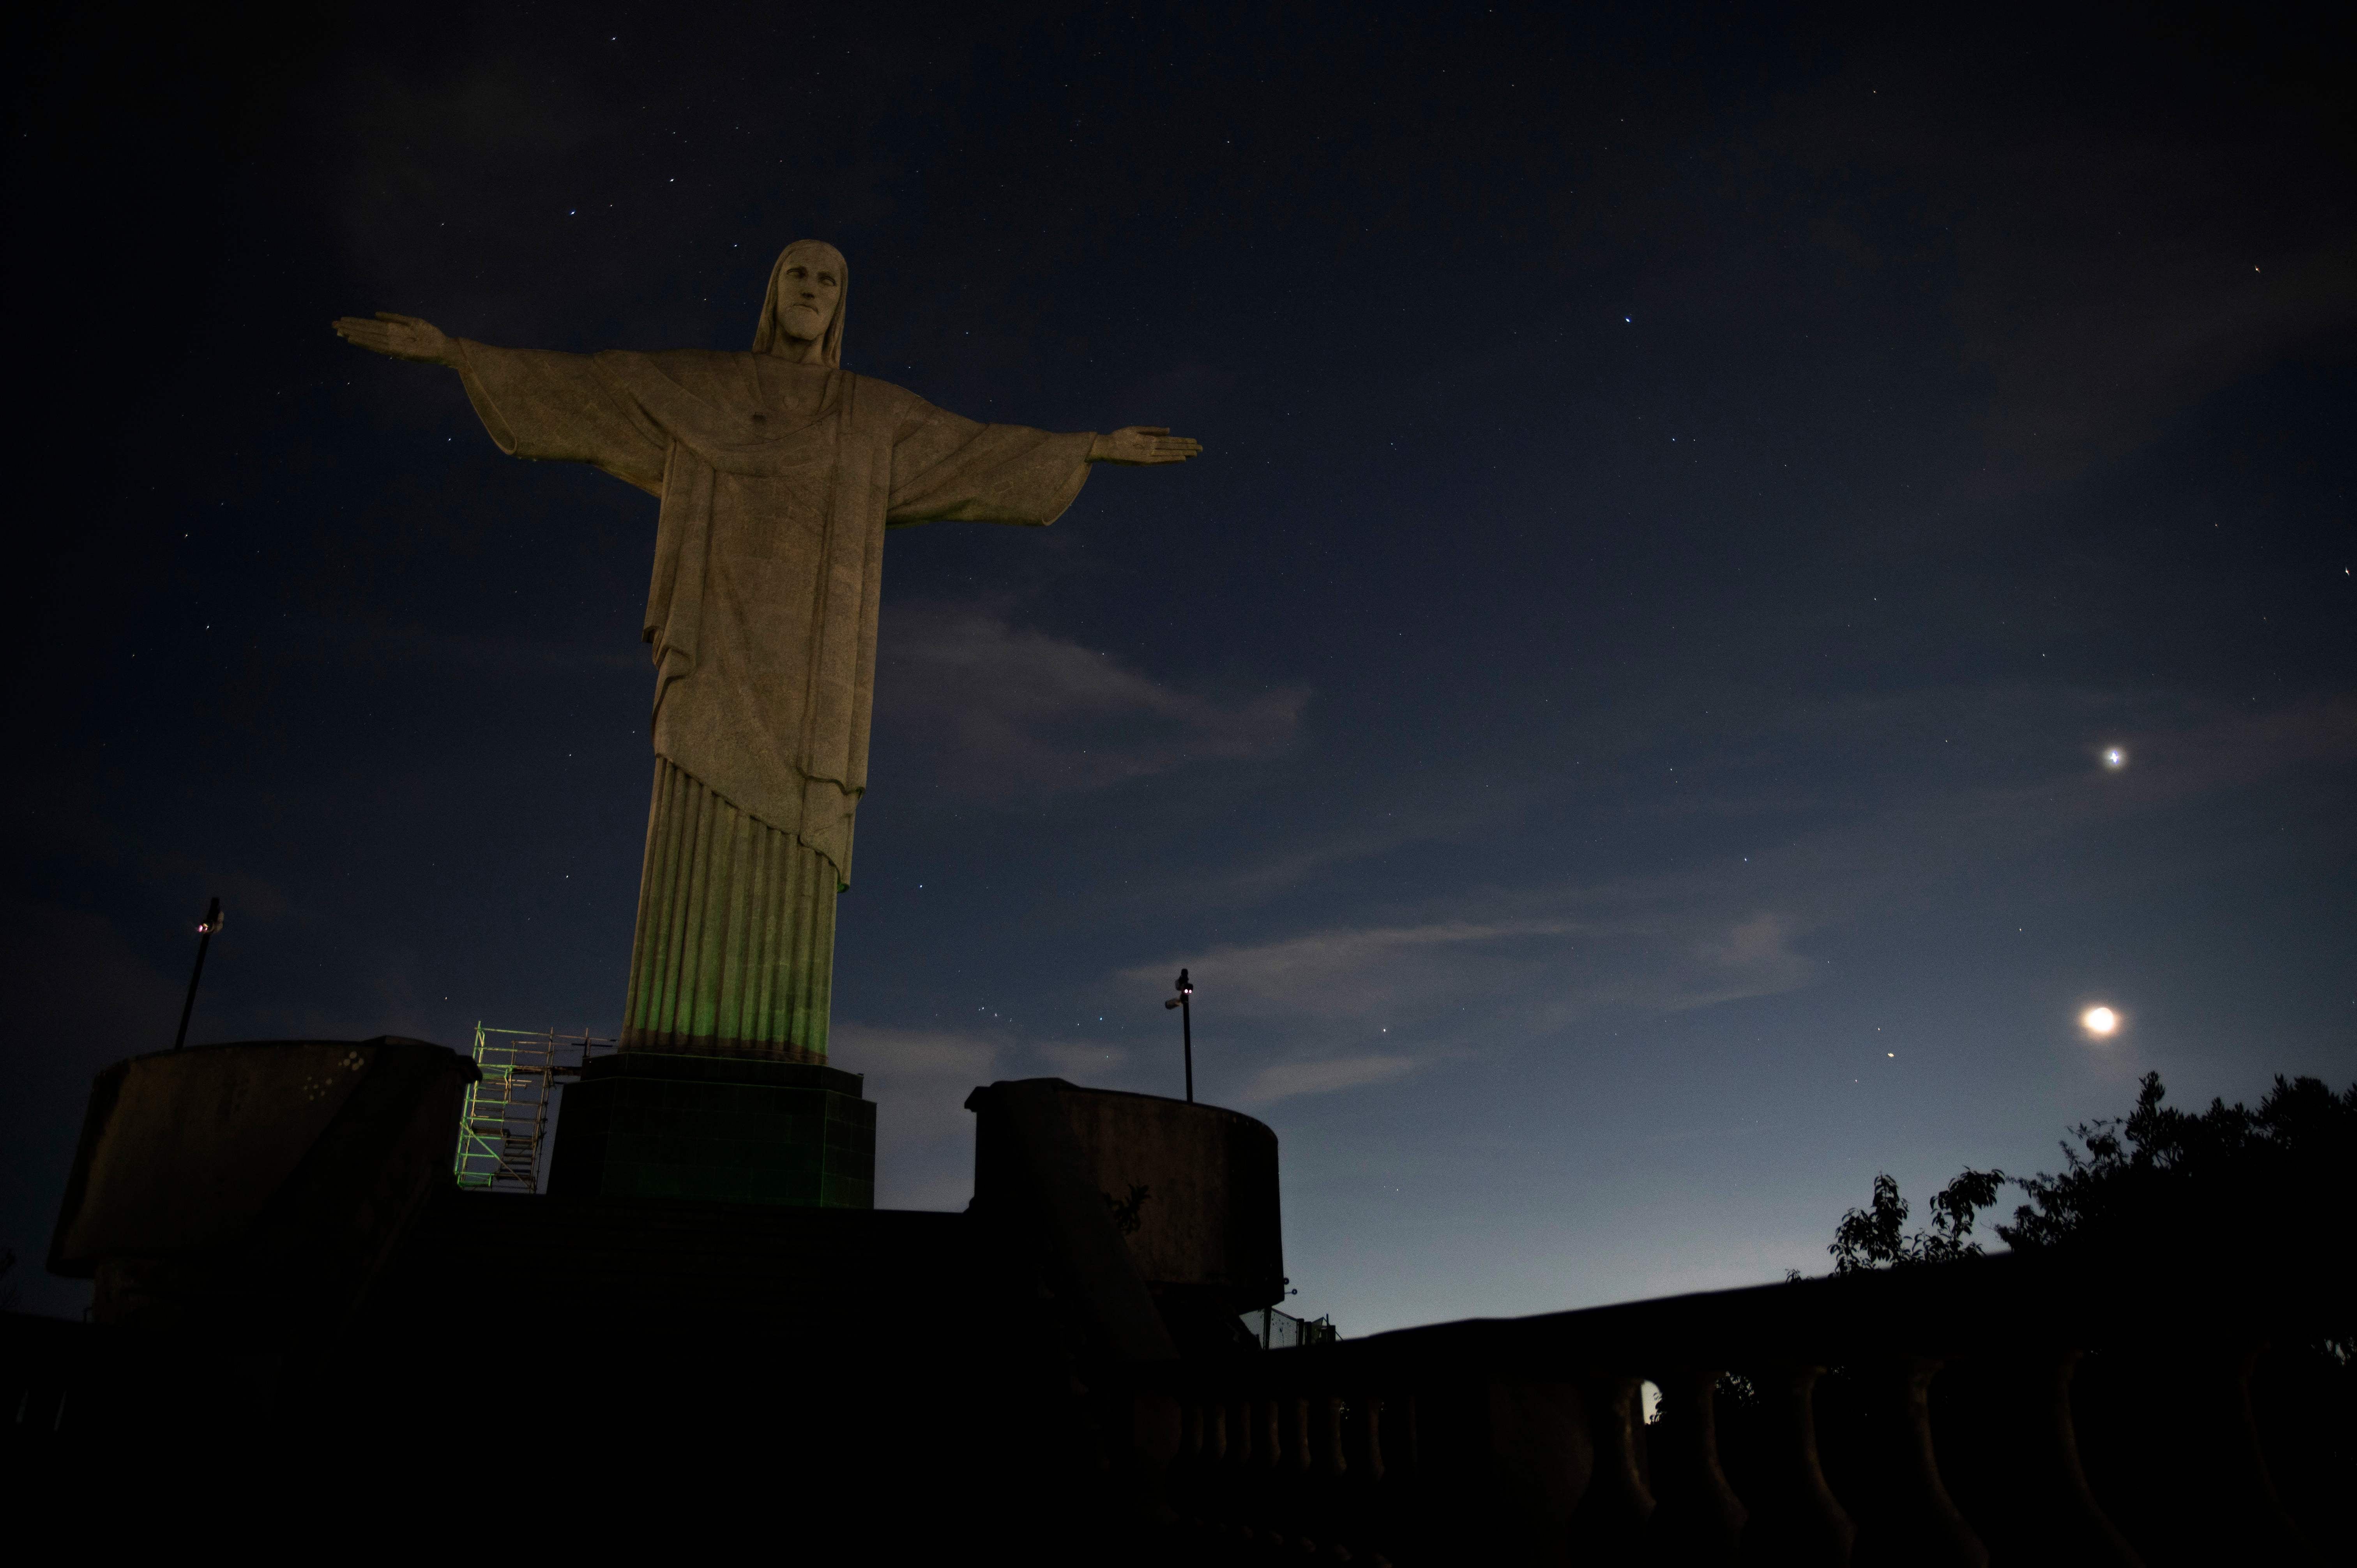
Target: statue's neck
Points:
(791, 390)
(810, 353)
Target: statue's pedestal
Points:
(725, 1129)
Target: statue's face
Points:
(808, 294)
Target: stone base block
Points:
(721, 1129)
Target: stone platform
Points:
(647, 1124)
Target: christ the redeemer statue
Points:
(779, 472)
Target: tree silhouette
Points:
(2276, 1182)
(2282, 1176)
(2260, 1198)
(1874, 1237)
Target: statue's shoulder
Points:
(683, 389)
(693, 369)
(885, 396)
(700, 359)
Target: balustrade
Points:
(1997, 1411)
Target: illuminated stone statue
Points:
(779, 472)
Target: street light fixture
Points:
(1186, 1027)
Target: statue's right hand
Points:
(398, 338)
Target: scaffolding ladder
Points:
(504, 1119)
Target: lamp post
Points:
(1186, 1027)
(204, 939)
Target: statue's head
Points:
(805, 307)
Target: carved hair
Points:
(819, 253)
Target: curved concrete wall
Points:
(257, 1182)
(1204, 1180)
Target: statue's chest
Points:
(778, 501)
(772, 518)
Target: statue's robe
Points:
(777, 482)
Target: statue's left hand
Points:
(1144, 443)
(398, 338)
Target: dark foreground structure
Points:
(296, 1310)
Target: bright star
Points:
(2100, 1022)
(2115, 758)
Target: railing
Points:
(2011, 1410)
(504, 1122)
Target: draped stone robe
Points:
(777, 481)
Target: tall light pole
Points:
(204, 939)
(1186, 1027)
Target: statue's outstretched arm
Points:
(535, 403)
(398, 338)
(1139, 444)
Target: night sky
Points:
(1614, 721)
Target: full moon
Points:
(2099, 1021)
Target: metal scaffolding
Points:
(1281, 1330)
(505, 1119)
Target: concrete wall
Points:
(256, 1182)
(1207, 1219)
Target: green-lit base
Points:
(725, 1129)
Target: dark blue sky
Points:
(1613, 721)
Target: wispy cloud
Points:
(1090, 1060)
(1648, 946)
(1359, 973)
(1345, 1005)
(1286, 1079)
(1004, 711)
(2102, 283)
(476, 655)
(918, 1079)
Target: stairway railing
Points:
(503, 1125)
